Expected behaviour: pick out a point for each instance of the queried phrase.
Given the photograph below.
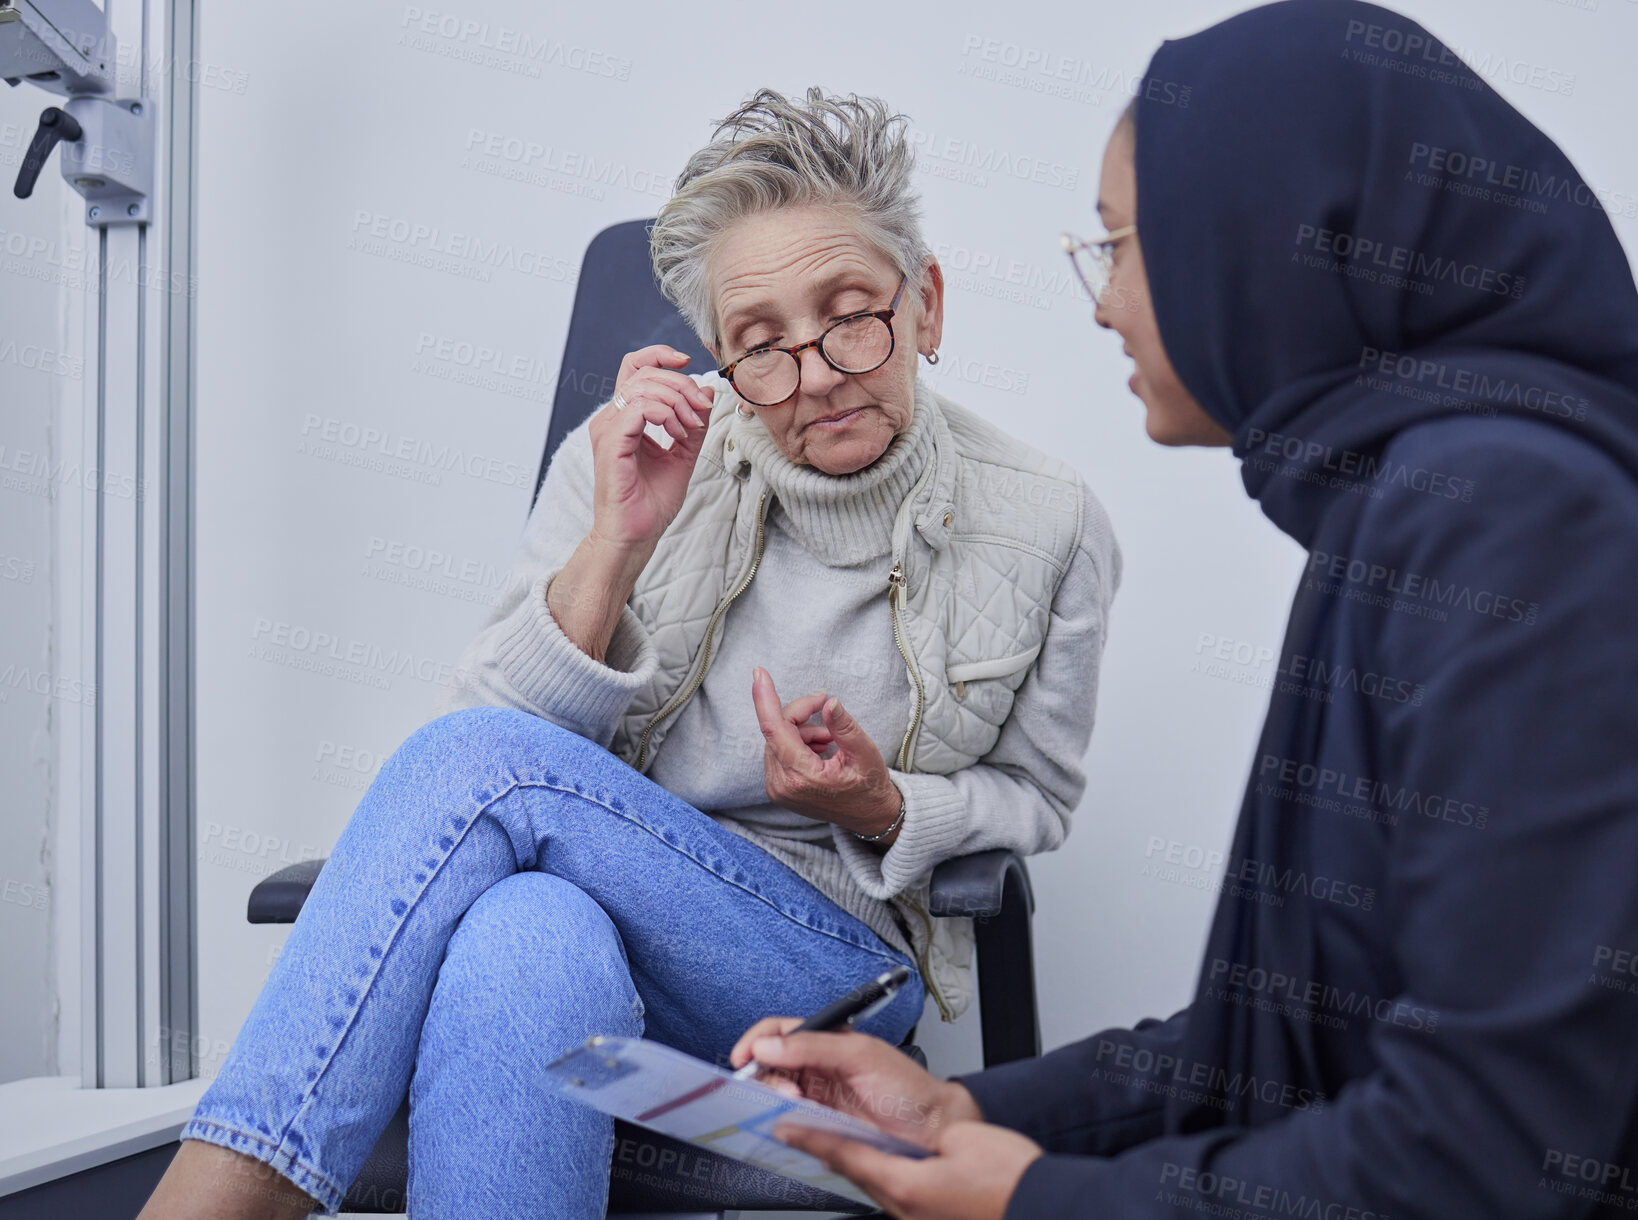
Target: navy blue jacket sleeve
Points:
(1507, 934)
(1096, 1096)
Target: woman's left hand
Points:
(850, 788)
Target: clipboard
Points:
(675, 1094)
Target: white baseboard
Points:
(50, 1127)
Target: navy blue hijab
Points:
(1502, 309)
(1347, 232)
(1364, 263)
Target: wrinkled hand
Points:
(972, 1177)
(851, 788)
(638, 483)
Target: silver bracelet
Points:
(903, 805)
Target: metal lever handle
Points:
(55, 126)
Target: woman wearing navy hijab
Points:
(1350, 259)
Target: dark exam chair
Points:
(618, 309)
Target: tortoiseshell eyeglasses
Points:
(859, 343)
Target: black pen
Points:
(855, 1005)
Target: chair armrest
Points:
(968, 885)
(977, 885)
(279, 898)
(992, 888)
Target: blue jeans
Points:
(505, 889)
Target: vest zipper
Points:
(896, 593)
(895, 599)
(923, 961)
(896, 582)
(683, 695)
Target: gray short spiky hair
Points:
(845, 152)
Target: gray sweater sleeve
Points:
(521, 658)
(1021, 794)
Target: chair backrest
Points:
(617, 309)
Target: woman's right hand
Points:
(856, 1074)
(639, 483)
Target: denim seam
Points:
(334, 1195)
(484, 807)
(683, 851)
(364, 988)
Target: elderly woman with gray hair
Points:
(607, 832)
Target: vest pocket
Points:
(964, 672)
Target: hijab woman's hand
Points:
(972, 1176)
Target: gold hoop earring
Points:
(932, 356)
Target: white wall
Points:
(43, 279)
(318, 118)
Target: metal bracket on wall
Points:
(112, 165)
(64, 46)
(127, 572)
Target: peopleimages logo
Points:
(1054, 74)
(1326, 783)
(1221, 1194)
(1245, 877)
(1364, 467)
(989, 159)
(1392, 582)
(1413, 53)
(39, 359)
(366, 445)
(1316, 678)
(41, 476)
(500, 45)
(1514, 185)
(44, 682)
(1399, 266)
(1234, 979)
(31, 257)
(556, 167)
(1470, 385)
(1608, 1182)
(1204, 1083)
(990, 274)
(468, 254)
(1300, 675)
(346, 659)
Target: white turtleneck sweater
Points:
(815, 617)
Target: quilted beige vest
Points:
(979, 547)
